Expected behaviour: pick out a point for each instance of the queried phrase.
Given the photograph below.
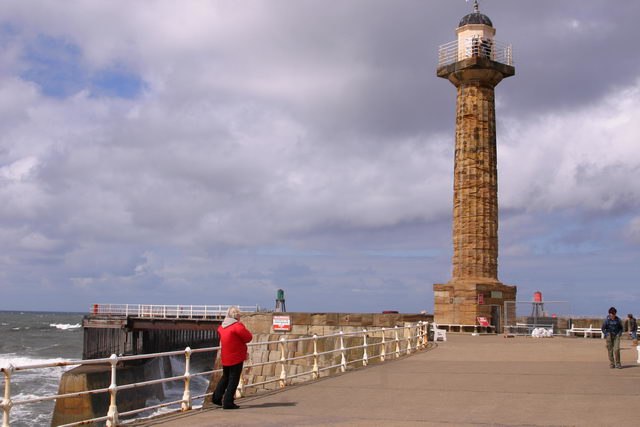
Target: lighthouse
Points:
(475, 63)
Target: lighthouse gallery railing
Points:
(451, 52)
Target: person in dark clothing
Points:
(233, 352)
(632, 327)
(612, 329)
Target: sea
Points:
(42, 337)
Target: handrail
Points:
(168, 311)
(413, 338)
(451, 52)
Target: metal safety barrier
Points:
(167, 311)
(494, 50)
(381, 344)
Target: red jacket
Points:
(234, 339)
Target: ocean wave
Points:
(26, 396)
(25, 416)
(164, 410)
(16, 360)
(65, 326)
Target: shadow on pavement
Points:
(269, 405)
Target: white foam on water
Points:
(16, 360)
(23, 416)
(163, 410)
(65, 326)
(159, 411)
(25, 396)
(32, 384)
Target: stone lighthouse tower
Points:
(475, 63)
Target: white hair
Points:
(233, 312)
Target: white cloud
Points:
(36, 241)
(567, 159)
(268, 130)
(19, 170)
(634, 229)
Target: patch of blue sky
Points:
(562, 243)
(420, 253)
(116, 82)
(7, 29)
(57, 67)
(288, 252)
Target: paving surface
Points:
(466, 381)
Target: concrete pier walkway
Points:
(466, 381)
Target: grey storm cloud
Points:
(217, 151)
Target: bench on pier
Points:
(526, 329)
(457, 327)
(585, 332)
(438, 333)
(462, 328)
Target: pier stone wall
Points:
(306, 325)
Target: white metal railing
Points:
(451, 52)
(459, 327)
(378, 344)
(526, 328)
(167, 311)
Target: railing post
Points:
(343, 358)
(365, 357)
(186, 396)
(383, 351)
(315, 370)
(283, 362)
(408, 339)
(6, 403)
(397, 342)
(112, 415)
(425, 334)
(240, 389)
(638, 350)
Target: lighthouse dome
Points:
(475, 18)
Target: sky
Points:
(212, 152)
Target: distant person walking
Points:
(612, 329)
(632, 328)
(233, 341)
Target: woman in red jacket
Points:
(233, 341)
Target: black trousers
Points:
(226, 388)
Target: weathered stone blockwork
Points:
(474, 289)
(475, 193)
(457, 303)
(321, 324)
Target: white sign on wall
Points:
(282, 323)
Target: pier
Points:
(467, 381)
(355, 369)
(131, 329)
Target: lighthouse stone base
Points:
(462, 302)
